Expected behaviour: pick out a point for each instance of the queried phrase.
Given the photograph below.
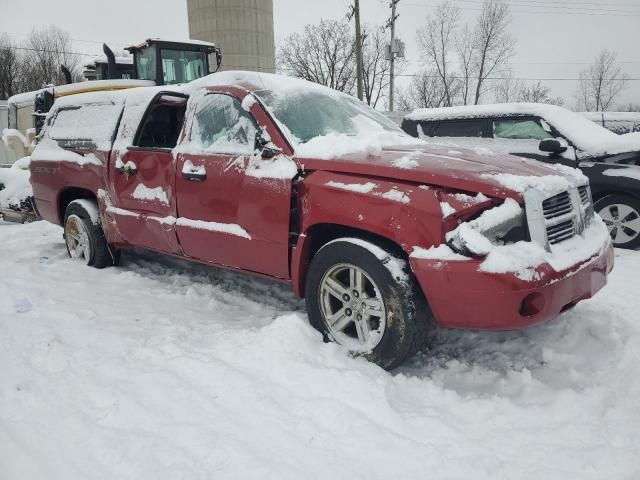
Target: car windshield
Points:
(308, 114)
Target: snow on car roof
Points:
(583, 133)
(254, 81)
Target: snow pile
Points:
(524, 257)
(159, 369)
(229, 228)
(353, 187)
(441, 252)
(144, 193)
(472, 233)
(591, 139)
(370, 139)
(407, 161)
(548, 185)
(248, 101)
(15, 184)
(446, 209)
(278, 167)
(396, 196)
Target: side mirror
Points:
(553, 145)
(260, 145)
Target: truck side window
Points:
(162, 123)
(221, 125)
(526, 128)
(460, 128)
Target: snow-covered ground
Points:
(162, 370)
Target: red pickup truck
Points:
(383, 234)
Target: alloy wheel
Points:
(352, 306)
(622, 221)
(77, 238)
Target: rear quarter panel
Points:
(51, 177)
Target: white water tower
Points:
(243, 29)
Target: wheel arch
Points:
(318, 235)
(68, 195)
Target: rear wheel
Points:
(621, 215)
(362, 297)
(84, 236)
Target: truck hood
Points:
(437, 165)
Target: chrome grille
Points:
(557, 205)
(560, 217)
(587, 203)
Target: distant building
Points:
(243, 29)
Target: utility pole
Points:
(392, 24)
(355, 12)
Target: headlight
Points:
(496, 226)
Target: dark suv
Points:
(550, 134)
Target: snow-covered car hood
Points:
(493, 174)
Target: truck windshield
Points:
(179, 66)
(146, 64)
(309, 113)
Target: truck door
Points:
(142, 177)
(231, 212)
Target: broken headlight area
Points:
(496, 226)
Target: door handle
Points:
(195, 176)
(194, 173)
(127, 170)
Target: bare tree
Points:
(46, 49)
(494, 46)
(9, 67)
(436, 39)
(465, 43)
(538, 93)
(600, 83)
(629, 107)
(376, 67)
(322, 53)
(425, 91)
(507, 89)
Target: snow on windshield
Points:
(318, 122)
(323, 123)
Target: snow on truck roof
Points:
(583, 133)
(172, 40)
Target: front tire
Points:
(363, 298)
(621, 214)
(84, 237)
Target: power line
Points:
(79, 40)
(541, 11)
(542, 79)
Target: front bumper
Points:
(461, 296)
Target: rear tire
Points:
(348, 283)
(621, 214)
(84, 237)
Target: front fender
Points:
(404, 213)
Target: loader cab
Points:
(168, 63)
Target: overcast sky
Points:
(556, 39)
